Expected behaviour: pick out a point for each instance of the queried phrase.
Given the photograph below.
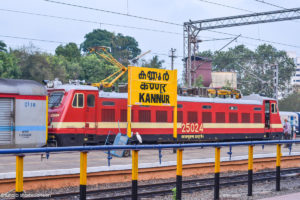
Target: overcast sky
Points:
(32, 26)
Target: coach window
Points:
(274, 108)
(91, 100)
(78, 100)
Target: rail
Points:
(20, 154)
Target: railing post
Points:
(19, 176)
(217, 173)
(179, 174)
(83, 175)
(278, 167)
(134, 193)
(250, 169)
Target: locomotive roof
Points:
(68, 87)
(190, 99)
(22, 87)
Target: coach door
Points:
(267, 115)
(90, 113)
(6, 120)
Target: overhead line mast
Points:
(191, 29)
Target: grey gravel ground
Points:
(260, 190)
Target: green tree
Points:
(36, 65)
(123, 48)
(253, 66)
(94, 69)
(9, 67)
(153, 63)
(290, 103)
(70, 51)
(2, 46)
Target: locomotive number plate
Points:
(192, 128)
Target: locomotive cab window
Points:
(78, 100)
(55, 99)
(274, 108)
(91, 100)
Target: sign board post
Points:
(152, 87)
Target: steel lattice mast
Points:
(191, 29)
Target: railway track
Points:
(160, 189)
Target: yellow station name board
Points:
(149, 86)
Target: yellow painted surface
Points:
(175, 125)
(278, 157)
(147, 84)
(217, 159)
(250, 157)
(19, 173)
(179, 162)
(135, 160)
(128, 121)
(83, 167)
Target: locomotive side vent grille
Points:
(192, 117)
(245, 117)
(220, 117)
(233, 117)
(257, 118)
(206, 117)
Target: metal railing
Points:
(20, 154)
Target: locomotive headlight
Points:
(54, 115)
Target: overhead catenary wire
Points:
(256, 39)
(34, 39)
(227, 6)
(114, 12)
(166, 22)
(156, 30)
(89, 21)
(274, 5)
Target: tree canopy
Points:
(254, 68)
(2, 46)
(153, 63)
(290, 103)
(123, 48)
(70, 51)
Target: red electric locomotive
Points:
(81, 114)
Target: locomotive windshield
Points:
(55, 99)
